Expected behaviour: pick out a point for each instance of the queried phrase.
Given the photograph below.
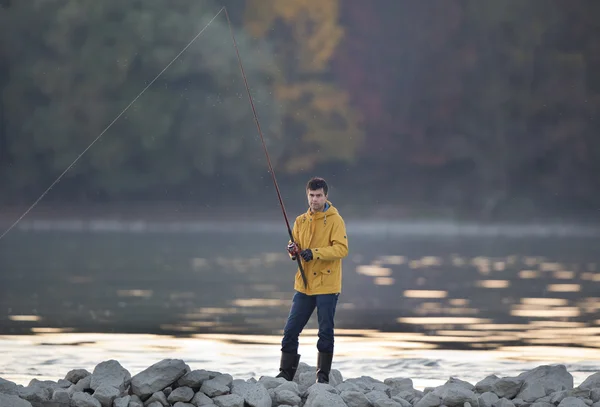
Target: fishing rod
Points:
(262, 139)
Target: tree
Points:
(319, 114)
(75, 65)
(525, 100)
(479, 102)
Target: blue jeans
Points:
(302, 308)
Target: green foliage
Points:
(76, 64)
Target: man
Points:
(321, 242)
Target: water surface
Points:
(415, 298)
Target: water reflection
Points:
(371, 353)
(479, 293)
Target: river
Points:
(420, 300)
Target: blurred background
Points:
(459, 139)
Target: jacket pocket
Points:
(328, 275)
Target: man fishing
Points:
(320, 241)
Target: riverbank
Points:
(49, 356)
(172, 382)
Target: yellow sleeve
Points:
(339, 244)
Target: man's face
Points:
(316, 199)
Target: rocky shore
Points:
(171, 382)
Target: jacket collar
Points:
(329, 210)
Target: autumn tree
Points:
(317, 112)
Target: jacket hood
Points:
(330, 211)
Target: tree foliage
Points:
(501, 94)
(305, 35)
(76, 64)
(465, 104)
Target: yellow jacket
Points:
(325, 234)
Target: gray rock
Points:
(83, 385)
(110, 374)
(348, 386)
(386, 403)
(11, 400)
(229, 400)
(507, 387)
(558, 396)
(284, 396)
(335, 377)
(155, 404)
(304, 368)
(135, 401)
(466, 385)
(106, 395)
(532, 391)
(572, 402)
(322, 395)
(320, 387)
(375, 395)
(182, 404)
(545, 399)
(194, 379)
(183, 394)
(412, 396)
(305, 380)
(486, 385)
(402, 402)
(64, 384)
(591, 382)
(81, 399)
(61, 396)
(488, 399)
(595, 394)
(542, 404)
(551, 377)
(8, 387)
(429, 400)
(122, 401)
(158, 376)
(36, 392)
(455, 395)
(269, 382)
(201, 399)
(76, 375)
(291, 386)
(158, 396)
(366, 384)
(217, 386)
(520, 403)
(255, 395)
(399, 383)
(504, 403)
(354, 398)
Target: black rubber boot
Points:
(324, 367)
(288, 366)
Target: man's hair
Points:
(317, 183)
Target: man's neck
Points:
(325, 207)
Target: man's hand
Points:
(306, 254)
(293, 249)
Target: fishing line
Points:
(109, 126)
(262, 139)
